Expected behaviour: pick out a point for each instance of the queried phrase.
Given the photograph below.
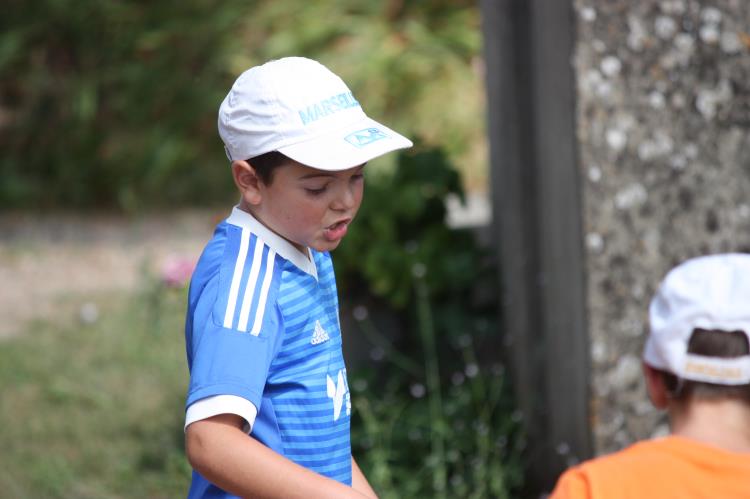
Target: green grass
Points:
(95, 411)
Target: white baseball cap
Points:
(300, 108)
(708, 292)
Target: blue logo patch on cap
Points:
(366, 136)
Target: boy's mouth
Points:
(336, 231)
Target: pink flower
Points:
(176, 271)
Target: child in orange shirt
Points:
(697, 367)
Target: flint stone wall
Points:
(663, 125)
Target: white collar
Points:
(280, 245)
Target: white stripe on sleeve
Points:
(239, 267)
(247, 300)
(264, 292)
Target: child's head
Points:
(700, 329)
(298, 140)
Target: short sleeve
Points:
(572, 485)
(235, 325)
(229, 362)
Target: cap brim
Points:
(347, 147)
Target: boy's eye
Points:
(316, 191)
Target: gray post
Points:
(536, 211)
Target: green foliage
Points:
(444, 424)
(113, 104)
(400, 230)
(471, 449)
(414, 65)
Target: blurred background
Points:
(567, 154)
(112, 177)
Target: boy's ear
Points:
(247, 181)
(657, 390)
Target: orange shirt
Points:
(669, 467)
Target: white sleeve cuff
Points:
(222, 404)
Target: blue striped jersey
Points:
(263, 341)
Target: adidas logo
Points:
(319, 335)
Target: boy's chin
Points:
(324, 246)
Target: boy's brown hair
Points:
(265, 164)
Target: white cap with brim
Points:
(300, 108)
(709, 292)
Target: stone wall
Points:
(663, 123)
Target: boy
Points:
(267, 411)
(697, 367)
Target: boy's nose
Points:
(345, 200)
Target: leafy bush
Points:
(436, 419)
(113, 104)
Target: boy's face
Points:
(310, 207)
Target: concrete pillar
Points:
(663, 123)
(620, 145)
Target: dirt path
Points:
(47, 261)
